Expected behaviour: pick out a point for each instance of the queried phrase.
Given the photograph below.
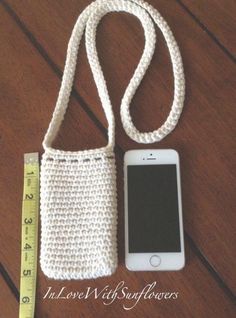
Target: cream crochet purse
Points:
(78, 189)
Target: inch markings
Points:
(29, 236)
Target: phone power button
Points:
(155, 260)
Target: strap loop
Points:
(89, 19)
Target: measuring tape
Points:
(29, 236)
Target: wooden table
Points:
(33, 43)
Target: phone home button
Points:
(155, 260)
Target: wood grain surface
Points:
(218, 18)
(9, 304)
(34, 37)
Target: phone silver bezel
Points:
(141, 261)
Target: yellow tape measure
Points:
(29, 236)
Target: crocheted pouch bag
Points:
(78, 189)
(78, 192)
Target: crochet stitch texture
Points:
(78, 189)
(79, 216)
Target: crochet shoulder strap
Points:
(89, 19)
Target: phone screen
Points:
(153, 215)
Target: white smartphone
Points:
(154, 238)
